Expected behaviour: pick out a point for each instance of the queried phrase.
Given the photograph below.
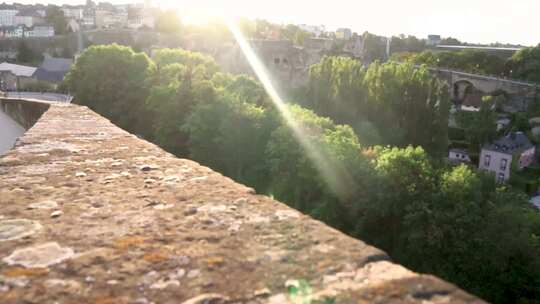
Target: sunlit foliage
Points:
(453, 222)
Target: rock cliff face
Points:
(91, 214)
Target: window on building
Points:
(487, 160)
(504, 162)
(500, 178)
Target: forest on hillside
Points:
(380, 130)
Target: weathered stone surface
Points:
(17, 229)
(147, 227)
(39, 256)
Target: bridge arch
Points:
(462, 88)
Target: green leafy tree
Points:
(374, 47)
(55, 16)
(407, 44)
(230, 134)
(480, 127)
(472, 61)
(111, 80)
(26, 55)
(525, 64)
(336, 89)
(180, 81)
(395, 103)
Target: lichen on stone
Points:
(17, 228)
(44, 205)
(39, 256)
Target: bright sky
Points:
(482, 21)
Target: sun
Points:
(198, 12)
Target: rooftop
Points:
(56, 64)
(92, 214)
(18, 70)
(510, 144)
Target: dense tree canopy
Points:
(525, 64)
(55, 16)
(453, 222)
(112, 80)
(472, 61)
(26, 55)
(393, 103)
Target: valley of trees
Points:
(383, 128)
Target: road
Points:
(62, 98)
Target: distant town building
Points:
(28, 18)
(459, 156)
(73, 12)
(344, 33)
(40, 31)
(53, 70)
(140, 16)
(433, 40)
(316, 30)
(89, 18)
(14, 76)
(7, 15)
(12, 32)
(499, 156)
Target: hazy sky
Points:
(484, 21)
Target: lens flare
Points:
(334, 175)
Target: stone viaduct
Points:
(521, 94)
(92, 214)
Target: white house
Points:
(12, 32)
(499, 156)
(40, 31)
(28, 18)
(73, 12)
(459, 155)
(14, 76)
(7, 15)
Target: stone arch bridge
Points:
(468, 89)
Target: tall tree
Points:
(525, 64)
(179, 82)
(55, 16)
(111, 80)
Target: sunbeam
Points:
(335, 176)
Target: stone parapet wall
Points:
(91, 214)
(25, 112)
